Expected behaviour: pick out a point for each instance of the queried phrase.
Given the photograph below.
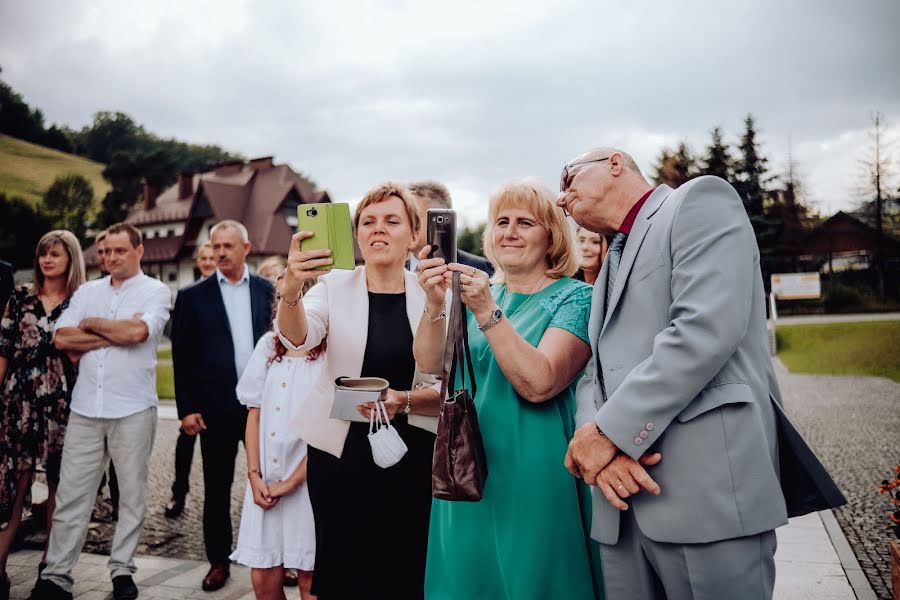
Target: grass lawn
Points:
(27, 170)
(165, 381)
(863, 348)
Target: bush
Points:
(842, 298)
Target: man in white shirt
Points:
(112, 328)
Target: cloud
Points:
(470, 93)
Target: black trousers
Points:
(219, 447)
(184, 457)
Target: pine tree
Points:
(751, 181)
(718, 160)
(790, 215)
(675, 168)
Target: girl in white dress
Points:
(277, 528)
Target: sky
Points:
(472, 93)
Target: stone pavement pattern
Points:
(853, 424)
(807, 565)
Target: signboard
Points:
(796, 286)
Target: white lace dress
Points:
(284, 534)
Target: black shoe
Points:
(174, 507)
(4, 587)
(45, 589)
(124, 588)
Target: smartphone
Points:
(332, 229)
(441, 233)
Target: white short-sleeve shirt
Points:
(118, 381)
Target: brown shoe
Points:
(290, 578)
(216, 578)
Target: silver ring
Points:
(473, 272)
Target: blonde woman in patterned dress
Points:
(35, 384)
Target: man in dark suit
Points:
(216, 324)
(431, 194)
(6, 284)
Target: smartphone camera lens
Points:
(312, 212)
(440, 219)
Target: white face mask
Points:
(387, 445)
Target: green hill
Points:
(27, 170)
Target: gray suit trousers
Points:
(639, 568)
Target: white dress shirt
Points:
(118, 381)
(236, 297)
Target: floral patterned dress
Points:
(34, 395)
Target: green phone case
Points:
(330, 224)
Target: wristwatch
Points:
(495, 318)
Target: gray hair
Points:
(605, 152)
(231, 224)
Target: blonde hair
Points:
(386, 191)
(275, 264)
(536, 198)
(74, 272)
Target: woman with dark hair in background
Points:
(36, 383)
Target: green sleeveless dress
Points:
(528, 538)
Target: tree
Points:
(751, 182)
(877, 179)
(67, 203)
(675, 167)
(124, 175)
(790, 214)
(111, 133)
(21, 227)
(470, 240)
(718, 160)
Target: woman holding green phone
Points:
(365, 516)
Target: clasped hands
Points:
(595, 458)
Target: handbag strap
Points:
(456, 351)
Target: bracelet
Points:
(440, 317)
(254, 472)
(408, 408)
(291, 304)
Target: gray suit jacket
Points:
(684, 354)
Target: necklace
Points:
(530, 296)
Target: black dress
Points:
(372, 523)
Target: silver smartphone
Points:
(441, 233)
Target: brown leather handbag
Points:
(459, 468)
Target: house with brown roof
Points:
(847, 242)
(260, 194)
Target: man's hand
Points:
(589, 452)
(193, 424)
(625, 476)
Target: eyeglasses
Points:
(564, 179)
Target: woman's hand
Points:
(394, 402)
(474, 290)
(301, 265)
(431, 277)
(283, 488)
(262, 495)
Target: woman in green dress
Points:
(528, 538)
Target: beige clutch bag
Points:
(350, 392)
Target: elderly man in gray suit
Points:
(677, 410)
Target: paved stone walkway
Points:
(808, 319)
(852, 422)
(807, 563)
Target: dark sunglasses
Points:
(564, 179)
